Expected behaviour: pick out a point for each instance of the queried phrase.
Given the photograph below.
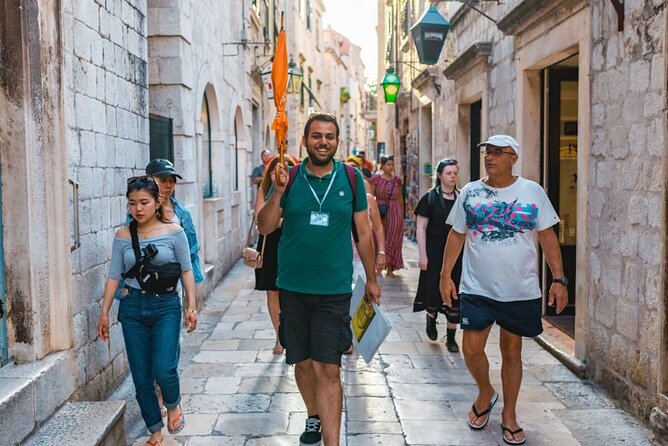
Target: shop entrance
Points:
(560, 160)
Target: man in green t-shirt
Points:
(314, 271)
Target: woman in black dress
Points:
(432, 233)
(265, 277)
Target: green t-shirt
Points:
(314, 259)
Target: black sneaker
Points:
(311, 435)
(432, 332)
(452, 346)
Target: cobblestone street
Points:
(236, 392)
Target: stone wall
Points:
(187, 59)
(627, 202)
(106, 98)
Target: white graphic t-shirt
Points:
(501, 250)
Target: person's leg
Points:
(137, 336)
(274, 309)
(450, 341)
(331, 336)
(452, 314)
(165, 314)
(329, 400)
(430, 328)
(473, 346)
(511, 379)
(295, 328)
(307, 384)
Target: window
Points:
(267, 23)
(236, 157)
(277, 24)
(405, 18)
(308, 14)
(207, 169)
(161, 137)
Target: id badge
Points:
(319, 219)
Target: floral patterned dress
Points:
(388, 192)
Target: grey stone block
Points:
(83, 424)
(17, 409)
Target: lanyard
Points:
(331, 181)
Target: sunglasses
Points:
(141, 179)
(447, 162)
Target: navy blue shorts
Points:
(522, 317)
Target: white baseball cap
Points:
(502, 141)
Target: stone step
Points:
(83, 424)
(30, 393)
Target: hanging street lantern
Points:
(429, 34)
(390, 86)
(295, 78)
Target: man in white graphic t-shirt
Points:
(499, 220)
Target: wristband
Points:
(381, 253)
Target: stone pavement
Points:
(236, 392)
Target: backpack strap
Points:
(292, 176)
(431, 197)
(352, 181)
(132, 272)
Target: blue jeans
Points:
(151, 324)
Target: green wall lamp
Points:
(390, 85)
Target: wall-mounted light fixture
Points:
(295, 78)
(429, 34)
(390, 86)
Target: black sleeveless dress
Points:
(265, 277)
(428, 296)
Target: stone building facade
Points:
(582, 86)
(344, 90)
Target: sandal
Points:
(278, 349)
(181, 425)
(512, 433)
(479, 415)
(150, 442)
(163, 411)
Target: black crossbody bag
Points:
(159, 279)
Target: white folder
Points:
(369, 323)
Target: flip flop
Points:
(513, 433)
(179, 428)
(487, 411)
(278, 349)
(154, 442)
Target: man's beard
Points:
(316, 161)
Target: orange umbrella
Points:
(279, 77)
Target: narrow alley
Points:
(237, 393)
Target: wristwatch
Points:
(561, 280)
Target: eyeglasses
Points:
(495, 152)
(141, 179)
